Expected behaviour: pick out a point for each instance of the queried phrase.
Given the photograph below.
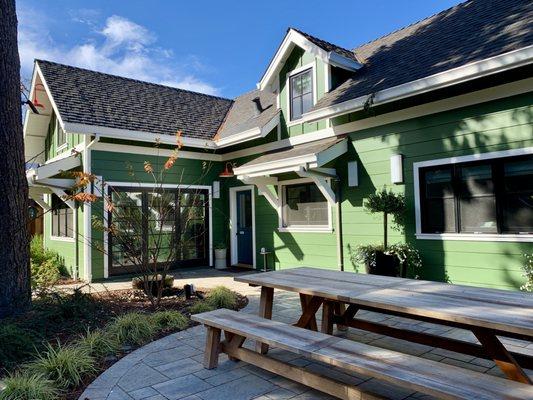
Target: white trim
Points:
(209, 188)
(309, 66)
(63, 238)
(87, 212)
(301, 228)
(49, 93)
(234, 257)
(78, 148)
(292, 39)
(327, 78)
(456, 160)
(477, 69)
(155, 151)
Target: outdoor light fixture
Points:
(228, 171)
(353, 175)
(396, 168)
(216, 189)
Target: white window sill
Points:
(476, 237)
(294, 123)
(62, 238)
(325, 229)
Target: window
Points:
(301, 93)
(61, 136)
(483, 197)
(62, 219)
(304, 206)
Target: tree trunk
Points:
(15, 295)
(385, 231)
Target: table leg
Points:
(327, 317)
(310, 305)
(340, 309)
(497, 351)
(265, 311)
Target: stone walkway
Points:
(171, 368)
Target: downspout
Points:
(338, 225)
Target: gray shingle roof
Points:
(327, 46)
(94, 98)
(242, 115)
(471, 31)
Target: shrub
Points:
(99, 343)
(221, 297)
(528, 273)
(200, 307)
(170, 319)
(133, 328)
(138, 281)
(65, 365)
(47, 266)
(16, 344)
(24, 386)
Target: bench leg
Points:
(265, 311)
(233, 341)
(327, 317)
(212, 348)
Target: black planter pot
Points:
(386, 265)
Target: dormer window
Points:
(301, 93)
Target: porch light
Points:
(396, 168)
(228, 171)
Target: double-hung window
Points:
(61, 136)
(484, 197)
(62, 219)
(304, 206)
(301, 93)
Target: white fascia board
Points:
(269, 166)
(250, 134)
(53, 168)
(128, 134)
(293, 38)
(478, 69)
(48, 93)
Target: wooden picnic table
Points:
(487, 313)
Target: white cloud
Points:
(119, 47)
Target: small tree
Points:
(388, 203)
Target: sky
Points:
(216, 47)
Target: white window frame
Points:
(69, 239)
(312, 67)
(492, 237)
(301, 228)
(60, 146)
(234, 257)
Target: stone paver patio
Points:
(171, 368)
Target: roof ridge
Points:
(410, 25)
(316, 37)
(133, 80)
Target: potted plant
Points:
(377, 258)
(220, 255)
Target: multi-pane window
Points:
(61, 136)
(304, 205)
(62, 218)
(301, 93)
(493, 196)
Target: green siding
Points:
(51, 149)
(115, 167)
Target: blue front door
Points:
(244, 227)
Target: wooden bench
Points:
(407, 371)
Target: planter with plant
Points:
(221, 255)
(382, 259)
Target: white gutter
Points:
(478, 69)
(250, 134)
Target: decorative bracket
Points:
(264, 187)
(319, 177)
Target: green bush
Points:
(67, 366)
(24, 386)
(170, 319)
(200, 307)
(133, 328)
(16, 344)
(100, 343)
(221, 297)
(47, 266)
(528, 273)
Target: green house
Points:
(441, 111)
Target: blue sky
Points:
(217, 47)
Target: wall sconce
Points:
(396, 168)
(353, 174)
(216, 189)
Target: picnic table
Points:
(487, 313)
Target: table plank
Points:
(387, 295)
